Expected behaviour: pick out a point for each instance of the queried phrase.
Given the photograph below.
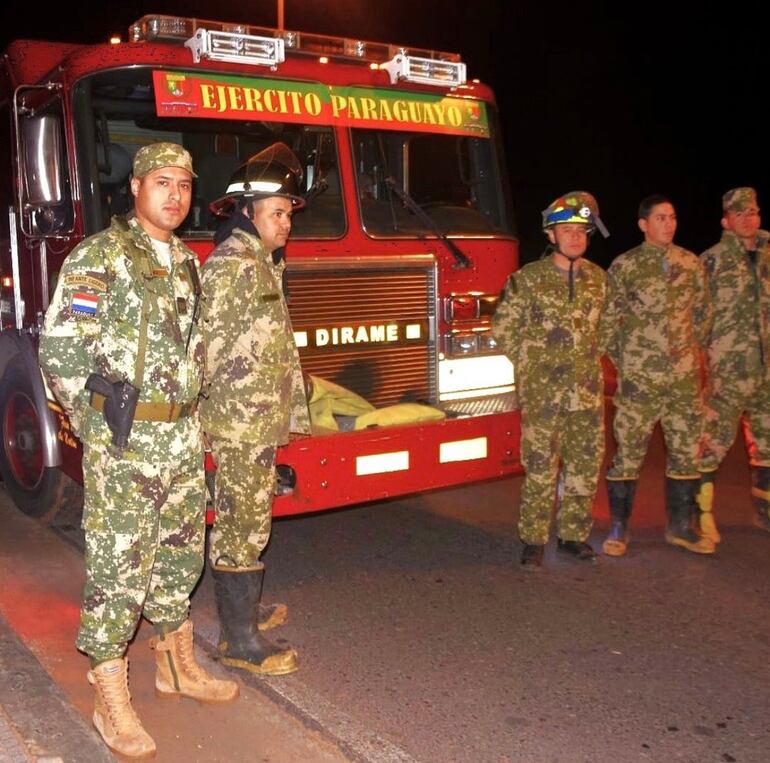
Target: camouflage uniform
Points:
(738, 349)
(255, 392)
(144, 505)
(555, 345)
(660, 312)
(738, 352)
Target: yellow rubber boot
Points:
(680, 501)
(114, 716)
(697, 545)
(705, 499)
(178, 673)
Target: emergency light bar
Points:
(236, 48)
(426, 71)
(221, 40)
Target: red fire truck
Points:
(394, 267)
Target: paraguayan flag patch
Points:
(84, 303)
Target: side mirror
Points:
(45, 195)
(43, 182)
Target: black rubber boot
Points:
(680, 501)
(532, 557)
(621, 494)
(238, 591)
(576, 549)
(760, 492)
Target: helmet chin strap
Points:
(553, 248)
(571, 274)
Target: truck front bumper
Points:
(369, 465)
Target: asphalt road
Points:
(420, 639)
(414, 619)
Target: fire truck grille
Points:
(368, 327)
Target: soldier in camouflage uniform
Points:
(255, 392)
(549, 325)
(738, 270)
(660, 315)
(125, 309)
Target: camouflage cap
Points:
(739, 199)
(159, 155)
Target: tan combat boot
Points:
(114, 717)
(179, 674)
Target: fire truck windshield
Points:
(116, 115)
(456, 179)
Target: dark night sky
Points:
(617, 101)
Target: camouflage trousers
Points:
(567, 447)
(245, 484)
(145, 534)
(730, 401)
(640, 403)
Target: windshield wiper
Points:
(427, 220)
(318, 187)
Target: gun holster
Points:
(119, 407)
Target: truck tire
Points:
(37, 490)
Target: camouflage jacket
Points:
(255, 391)
(739, 342)
(93, 325)
(555, 345)
(659, 312)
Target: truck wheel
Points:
(37, 490)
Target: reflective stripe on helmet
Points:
(580, 215)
